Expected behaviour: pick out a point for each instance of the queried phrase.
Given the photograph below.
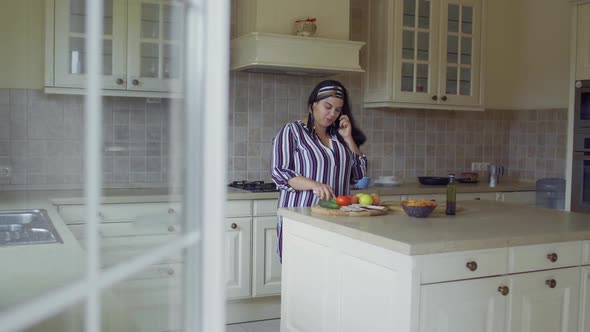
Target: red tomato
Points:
(343, 200)
(354, 199)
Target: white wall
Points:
(21, 39)
(527, 54)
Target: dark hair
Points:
(357, 135)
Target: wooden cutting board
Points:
(335, 212)
(440, 209)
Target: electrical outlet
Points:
(475, 166)
(484, 166)
(479, 166)
(5, 171)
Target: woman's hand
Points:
(345, 129)
(323, 191)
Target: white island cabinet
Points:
(497, 267)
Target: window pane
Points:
(150, 21)
(171, 61)
(407, 76)
(409, 13)
(466, 50)
(78, 16)
(424, 14)
(453, 19)
(467, 20)
(149, 60)
(422, 78)
(451, 80)
(408, 45)
(171, 22)
(423, 45)
(452, 49)
(465, 82)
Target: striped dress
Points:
(297, 153)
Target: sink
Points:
(19, 227)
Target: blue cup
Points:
(363, 183)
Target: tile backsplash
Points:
(41, 136)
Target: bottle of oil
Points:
(451, 195)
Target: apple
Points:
(366, 199)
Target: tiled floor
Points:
(272, 325)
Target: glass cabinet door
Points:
(418, 49)
(154, 45)
(70, 41)
(460, 68)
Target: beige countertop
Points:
(482, 225)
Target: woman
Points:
(315, 158)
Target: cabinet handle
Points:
(444, 98)
(434, 97)
(171, 211)
(100, 215)
(135, 82)
(504, 290)
(552, 257)
(477, 198)
(551, 283)
(120, 81)
(170, 272)
(234, 225)
(472, 266)
(170, 228)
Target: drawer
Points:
(238, 208)
(586, 253)
(463, 265)
(267, 207)
(544, 256)
(121, 212)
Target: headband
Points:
(330, 91)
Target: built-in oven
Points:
(582, 106)
(581, 172)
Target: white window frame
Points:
(206, 105)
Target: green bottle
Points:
(451, 195)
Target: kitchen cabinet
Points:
(383, 287)
(582, 41)
(266, 274)
(424, 54)
(126, 231)
(141, 47)
(238, 259)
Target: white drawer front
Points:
(544, 256)
(463, 265)
(238, 208)
(122, 212)
(267, 207)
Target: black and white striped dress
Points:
(297, 153)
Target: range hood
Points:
(266, 42)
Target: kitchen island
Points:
(493, 267)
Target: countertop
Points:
(482, 225)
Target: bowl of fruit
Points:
(418, 208)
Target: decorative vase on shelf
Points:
(305, 28)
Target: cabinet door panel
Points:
(267, 267)
(460, 52)
(536, 307)
(237, 247)
(469, 306)
(154, 45)
(70, 38)
(415, 72)
(585, 300)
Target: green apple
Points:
(365, 199)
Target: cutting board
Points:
(440, 209)
(335, 212)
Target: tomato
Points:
(343, 200)
(354, 199)
(376, 199)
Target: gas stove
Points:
(254, 186)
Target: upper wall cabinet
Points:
(424, 54)
(583, 42)
(141, 43)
